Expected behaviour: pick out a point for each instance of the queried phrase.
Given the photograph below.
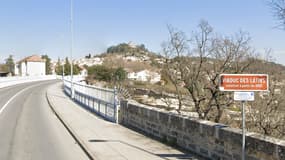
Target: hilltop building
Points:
(83, 71)
(89, 61)
(31, 66)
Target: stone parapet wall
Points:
(208, 139)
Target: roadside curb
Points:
(80, 142)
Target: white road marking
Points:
(6, 104)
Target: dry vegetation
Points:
(215, 55)
(115, 60)
(191, 70)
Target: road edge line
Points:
(70, 131)
(13, 97)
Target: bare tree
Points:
(278, 7)
(198, 64)
(210, 56)
(268, 55)
(266, 115)
(174, 50)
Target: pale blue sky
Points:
(42, 26)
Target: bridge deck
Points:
(106, 140)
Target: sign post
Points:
(243, 131)
(243, 97)
(243, 86)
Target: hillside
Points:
(165, 93)
(129, 49)
(131, 57)
(270, 68)
(134, 58)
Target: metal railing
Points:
(102, 101)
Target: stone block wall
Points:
(208, 139)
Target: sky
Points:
(30, 27)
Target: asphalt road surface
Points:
(29, 130)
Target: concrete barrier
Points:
(10, 81)
(208, 139)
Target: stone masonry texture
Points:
(208, 139)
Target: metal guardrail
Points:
(101, 101)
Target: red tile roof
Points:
(33, 58)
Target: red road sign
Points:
(244, 82)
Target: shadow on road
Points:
(163, 156)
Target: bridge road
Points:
(104, 140)
(29, 130)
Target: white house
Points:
(131, 58)
(145, 76)
(83, 71)
(90, 61)
(31, 66)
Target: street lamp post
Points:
(71, 47)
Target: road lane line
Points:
(6, 104)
